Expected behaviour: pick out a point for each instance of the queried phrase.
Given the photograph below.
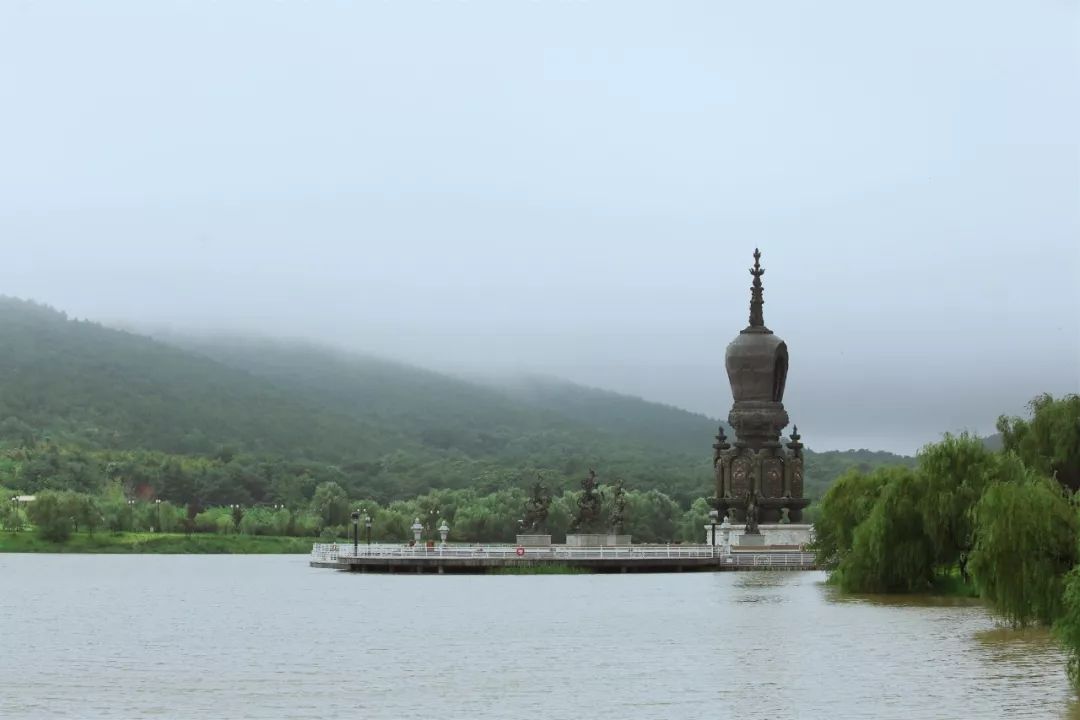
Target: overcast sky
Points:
(571, 187)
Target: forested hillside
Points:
(630, 417)
(217, 421)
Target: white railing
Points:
(336, 552)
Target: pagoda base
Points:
(788, 536)
(752, 540)
(770, 509)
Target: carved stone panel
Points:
(796, 477)
(772, 471)
(740, 477)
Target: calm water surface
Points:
(267, 637)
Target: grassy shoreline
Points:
(159, 543)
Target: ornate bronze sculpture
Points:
(751, 513)
(757, 472)
(536, 508)
(618, 508)
(588, 515)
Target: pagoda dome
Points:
(757, 360)
(757, 365)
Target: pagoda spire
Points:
(757, 300)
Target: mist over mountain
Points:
(573, 190)
(382, 429)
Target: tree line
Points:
(649, 516)
(1002, 523)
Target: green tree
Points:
(890, 550)
(956, 471)
(1026, 541)
(846, 504)
(51, 513)
(651, 517)
(1067, 626)
(331, 504)
(1050, 441)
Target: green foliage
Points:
(224, 422)
(1050, 441)
(170, 543)
(330, 504)
(846, 504)
(955, 472)
(1067, 626)
(1026, 530)
(652, 517)
(823, 468)
(692, 522)
(890, 550)
(55, 514)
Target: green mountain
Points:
(658, 425)
(79, 382)
(630, 417)
(239, 420)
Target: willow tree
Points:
(1050, 440)
(1026, 531)
(955, 471)
(890, 550)
(1067, 627)
(846, 504)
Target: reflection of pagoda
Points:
(756, 471)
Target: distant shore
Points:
(159, 543)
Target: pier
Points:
(480, 559)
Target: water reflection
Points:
(900, 600)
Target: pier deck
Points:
(479, 559)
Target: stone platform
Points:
(480, 559)
(789, 536)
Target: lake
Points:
(195, 636)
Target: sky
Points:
(570, 187)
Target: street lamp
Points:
(355, 532)
(158, 503)
(444, 530)
(15, 518)
(714, 515)
(367, 525)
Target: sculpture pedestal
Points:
(754, 540)
(596, 540)
(534, 540)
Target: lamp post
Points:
(158, 504)
(356, 533)
(444, 530)
(725, 529)
(713, 517)
(15, 518)
(367, 526)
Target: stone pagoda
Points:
(759, 478)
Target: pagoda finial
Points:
(757, 318)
